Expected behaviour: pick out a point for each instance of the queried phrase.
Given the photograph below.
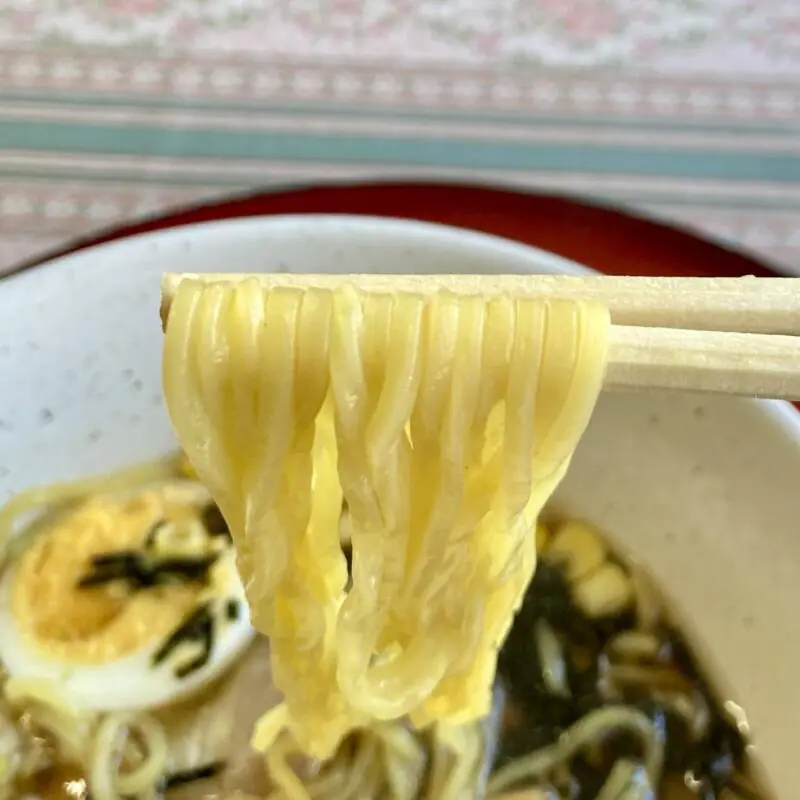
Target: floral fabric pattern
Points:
(685, 110)
(707, 35)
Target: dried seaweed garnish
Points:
(214, 522)
(232, 609)
(143, 571)
(197, 627)
(175, 779)
(714, 760)
(520, 665)
(152, 534)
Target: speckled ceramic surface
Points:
(703, 492)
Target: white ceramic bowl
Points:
(702, 491)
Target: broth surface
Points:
(592, 648)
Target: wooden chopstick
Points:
(716, 362)
(747, 305)
(735, 344)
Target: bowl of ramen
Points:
(653, 653)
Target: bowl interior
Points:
(700, 491)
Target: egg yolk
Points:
(102, 623)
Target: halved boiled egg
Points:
(127, 601)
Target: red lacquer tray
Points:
(608, 240)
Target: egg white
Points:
(130, 682)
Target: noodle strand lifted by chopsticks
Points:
(444, 422)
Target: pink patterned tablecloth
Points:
(687, 110)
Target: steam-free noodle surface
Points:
(444, 423)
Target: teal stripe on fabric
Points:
(147, 140)
(30, 97)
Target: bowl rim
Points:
(467, 194)
(778, 415)
(550, 262)
(782, 413)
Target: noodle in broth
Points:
(609, 697)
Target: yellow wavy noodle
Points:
(456, 761)
(96, 742)
(444, 422)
